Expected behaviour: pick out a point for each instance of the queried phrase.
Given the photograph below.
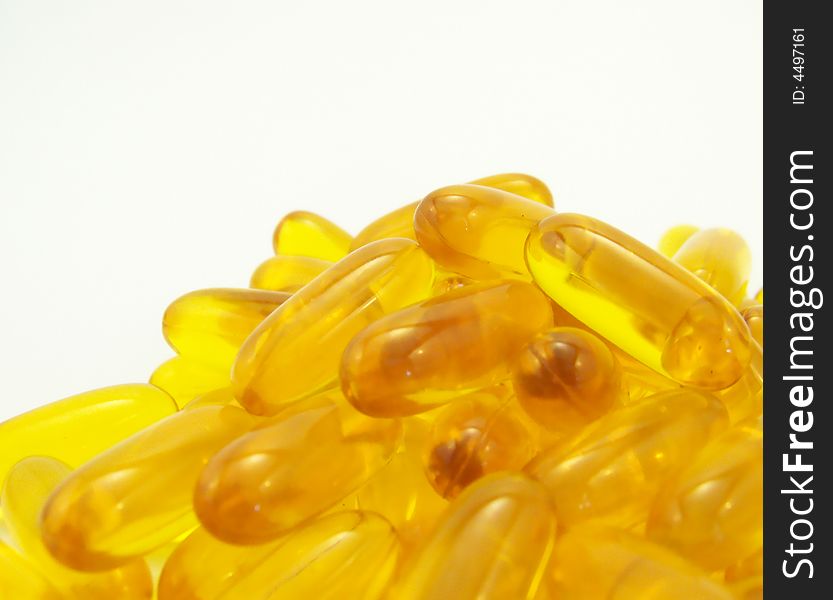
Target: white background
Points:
(148, 148)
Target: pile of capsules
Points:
(476, 397)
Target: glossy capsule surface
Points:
(745, 398)
(650, 307)
(185, 379)
(473, 436)
(287, 273)
(302, 233)
(19, 580)
(210, 325)
(400, 222)
(591, 562)
(493, 542)
(26, 489)
(289, 470)
(566, 378)
(344, 555)
(721, 258)
(712, 512)
(78, 427)
(137, 496)
(296, 351)
(477, 231)
(428, 354)
(674, 238)
(754, 317)
(612, 469)
(746, 577)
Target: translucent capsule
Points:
(296, 351)
(493, 542)
(477, 231)
(673, 238)
(288, 273)
(77, 428)
(591, 562)
(289, 470)
(400, 222)
(612, 469)
(647, 305)
(745, 398)
(759, 297)
(344, 555)
(565, 378)
(186, 379)
(754, 317)
(219, 397)
(721, 258)
(746, 577)
(476, 435)
(400, 491)
(26, 489)
(20, 581)
(302, 233)
(137, 496)
(712, 512)
(428, 354)
(209, 326)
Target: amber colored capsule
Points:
(712, 511)
(428, 354)
(592, 562)
(493, 542)
(400, 492)
(746, 577)
(302, 233)
(137, 496)
(611, 470)
(27, 487)
(186, 379)
(345, 555)
(400, 222)
(77, 428)
(754, 317)
(19, 580)
(473, 436)
(721, 258)
(675, 237)
(210, 325)
(477, 231)
(290, 469)
(745, 398)
(565, 378)
(649, 306)
(296, 351)
(287, 273)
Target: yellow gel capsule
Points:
(754, 317)
(493, 542)
(290, 469)
(746, 577)
(477, 231)
(759, 297)
(400, 491)
(186, 379)
(137, 496)
(428, 354)
(345, 555)
(400, 222)
(20, 581)
(218, 397)
(77, 428)
(712, 512)
(612, 469)
(565, 378)
(674, 238)
(745, 398)
(721, 258)
(591, 562)
(209, 326)
(647, 305)
(287, 273)
(296, 351)
(474, 436)
(302, 233)
(26, 489)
